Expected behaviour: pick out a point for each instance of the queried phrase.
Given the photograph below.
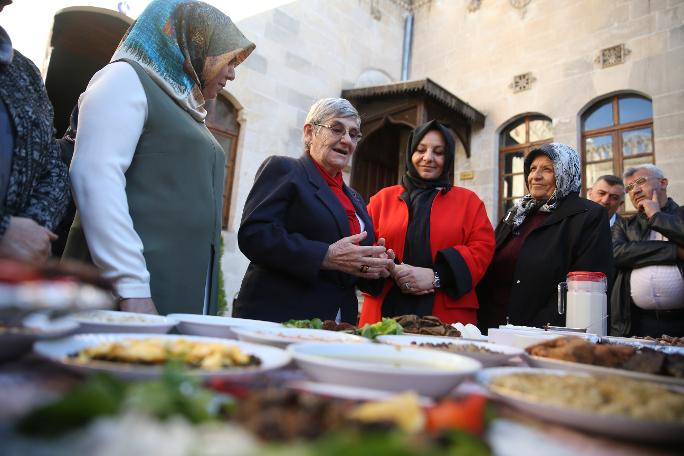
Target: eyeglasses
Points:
(339, 131)
(637, 183)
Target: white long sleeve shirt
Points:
(112, 115)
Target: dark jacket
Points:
(290, 218)
(631, 250)
(38, 183)
(574, 237)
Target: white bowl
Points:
(282, 337)
(214, 326)
(501, 355)
(112, 321)
(428, 372)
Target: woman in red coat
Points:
(441, 235)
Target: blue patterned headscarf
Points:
(173, 39)
(566, 167)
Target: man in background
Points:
(648, 296)
(609, 192)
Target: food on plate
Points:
(385, 327)
(155, 351)
(404, 410)
(455, 348)
(332, 325)
(114, 317)
(429, 325)
(665, 340)
(603, 395)
(314, 323)
(577, 350)
(467, 414)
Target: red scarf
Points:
(335, 184)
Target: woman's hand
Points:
(346, 255)
(413, 279)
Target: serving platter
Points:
(112, 321)
(60, 350)
(17, 340)
(215, 326)
(501, 356)
(538, 361)
(617, 426)
(282, 337)
(430, 373)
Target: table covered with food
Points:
(97, 381)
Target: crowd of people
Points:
(147, 182)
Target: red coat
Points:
(458, 220)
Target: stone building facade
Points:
(546, 69)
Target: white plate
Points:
(112, 321)
(36, 327)
(628, 341)
(429, 373)
(353, 393)
(612, 425)
(502, 356)
(214, 326)
(538, 361)
(282, 337)
(59, 350)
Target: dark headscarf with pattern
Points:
(175, 41)
(566, 168)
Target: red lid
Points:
(587, 276)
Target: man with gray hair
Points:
(609, 192)
(648, 295)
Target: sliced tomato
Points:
(467, 414)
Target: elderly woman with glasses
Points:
(307, 235)
(549, 232)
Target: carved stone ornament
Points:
(612, 56)
(522, 82)
(474, 5)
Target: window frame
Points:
(231, 156)
(615, 131)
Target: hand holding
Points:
(650, 206)
(26, 240)
(138, 305)
(346, 255)
(413, 279)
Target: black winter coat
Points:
(574, 237)
(290, 218)
(632, 249)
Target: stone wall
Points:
(475, 53)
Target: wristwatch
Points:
(437, 282)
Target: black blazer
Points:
(575, 237)
(290, 218)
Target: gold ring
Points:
(364, 268)
(407, 286)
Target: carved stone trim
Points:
(612, 56)
(522, 82)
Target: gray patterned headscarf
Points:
(566, 167)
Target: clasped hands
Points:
(414, 279)
(366, 261)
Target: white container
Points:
(582, 298)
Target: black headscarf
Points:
(419, 194)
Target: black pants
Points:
(655, 323)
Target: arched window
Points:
(222, 122)
(516, 141)
(617, 133)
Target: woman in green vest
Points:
(147, 174)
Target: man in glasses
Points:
(609, 192)
(648, 296)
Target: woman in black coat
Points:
(548, 233)
(307, 235)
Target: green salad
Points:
(314, 323)
(386, 327)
